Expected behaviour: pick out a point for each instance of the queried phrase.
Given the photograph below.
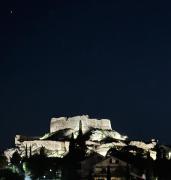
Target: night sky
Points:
(67, 58)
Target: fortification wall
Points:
(50, 145)
(53, 148)
(20, 138)
(73, 123)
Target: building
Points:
(111, 168)
(87, 165)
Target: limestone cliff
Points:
(98, 135)
(56, 142)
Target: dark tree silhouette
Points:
(3, 161)
(42, 151)
(108, 173)
(7, 174)
(16, 158)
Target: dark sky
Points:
(66, 58)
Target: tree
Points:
(42, 152)
(3, 161)
(7, 174)
(36, 165)
(108, 173)
(16, 158)
(16, 162)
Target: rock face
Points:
(98, 135)
(73, 123)
(56, 142)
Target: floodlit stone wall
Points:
(73, 123)
(53, 148)
(50, 145)
(21, 138)
(57, 148)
